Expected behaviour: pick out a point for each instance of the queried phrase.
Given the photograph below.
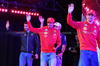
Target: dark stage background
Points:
(10, 45)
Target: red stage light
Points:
(15, 11)
(97, 22)
(34, 14)
(12, 11)
(87, 9)
(6, 10)
(29, 13)
(83, 4)
(3, 10)
(24, 12)
(18, 12)
(21, 12)
(37, 14)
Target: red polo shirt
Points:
(48, 37)
(87, 33)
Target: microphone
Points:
(33, 56)
(55, 45)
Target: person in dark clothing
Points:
(75, 51)
(29, 41)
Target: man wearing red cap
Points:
(88, 33)
(48, 37)
(61, 49)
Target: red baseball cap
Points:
(51, 20)
(91, 12)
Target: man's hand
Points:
(7, 25)
(70, 8)
(60, 54)
(36, 56)
(28, 18)
(69, 48)
(41, 19)
(55, 47)
(74, 51)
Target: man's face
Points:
(58, 27)
(26, 27)
(76, 37)
(50, 25)
(90, 17)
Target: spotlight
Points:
(97, 22)
(3, 10)
(83, 4)
(24, 12)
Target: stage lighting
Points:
(24, 12)
(3, 10)
(97, 22)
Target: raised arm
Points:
(41, 19)
(31, 28)
(72, 23)
(12, 32)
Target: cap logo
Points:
(49, 18)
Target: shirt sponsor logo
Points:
(84, 31)
(94, 26)
(54, 30)
(84, 28)
(45, 32)
(94, 32)
(45, 35)
(54, 35)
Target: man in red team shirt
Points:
(48, 37)
(88, 33)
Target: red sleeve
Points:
(59, 40)
(72, 23)
(32, 29)
(98, 39)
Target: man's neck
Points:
(90, 22)
(50, 28)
